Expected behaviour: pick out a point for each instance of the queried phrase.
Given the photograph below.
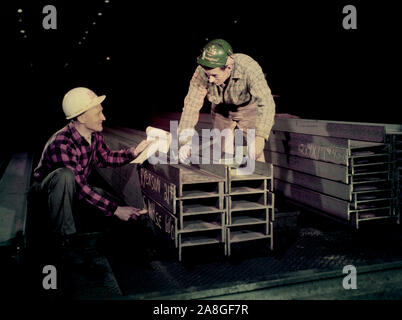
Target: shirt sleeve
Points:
(107, 158)
(193, 101)
(84, 191)
(261, 92)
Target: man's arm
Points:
(193, 101)
(107, 158)
(260, 90)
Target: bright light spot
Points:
(93, 23)
(99, 13)
(106, 1)
(19, 10)
(107, 58)
(22, 31)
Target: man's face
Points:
(218, 75)
(93, 118)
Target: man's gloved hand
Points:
(184, 153)
(259, 147)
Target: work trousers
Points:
(53, 203)
(226, 116)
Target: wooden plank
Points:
(314, 199)
(321, 169)
(375, 133)
(325, 186)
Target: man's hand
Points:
(127, 213)
(184, 153)
(259, 147)
(140, 147)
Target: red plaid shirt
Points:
(67, 148)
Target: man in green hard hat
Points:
(238, 91)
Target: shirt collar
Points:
(237, 73)
(75, 134)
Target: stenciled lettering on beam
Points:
(159, 189)
(317, 152)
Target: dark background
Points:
(318, 69)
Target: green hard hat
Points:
(215, 53)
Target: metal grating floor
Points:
(315, 244)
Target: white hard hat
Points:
(79, 100)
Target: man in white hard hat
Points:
(68, 159)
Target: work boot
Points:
(81, 260)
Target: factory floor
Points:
(135, 261)
(306, 263)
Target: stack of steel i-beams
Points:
(345, 170)
(250, 205)
(185, 202)
(199, 204)
(394, 135)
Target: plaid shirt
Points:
(246, 85)
(67, 148)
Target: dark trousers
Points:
(54, 211)
(54, 208)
